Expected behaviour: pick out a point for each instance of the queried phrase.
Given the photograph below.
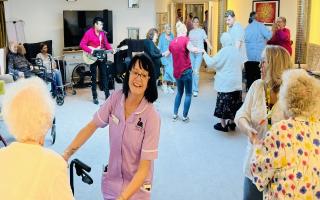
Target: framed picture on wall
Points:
(267, 11)
(133, 3)
(133, 33)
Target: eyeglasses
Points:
(136, 74)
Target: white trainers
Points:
(164, 89)
(185, 119)
(174, 118)
(195, 94)
(170, 90)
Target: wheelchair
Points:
(58, 92)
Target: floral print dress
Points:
(286, 165)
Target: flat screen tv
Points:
(76, 23)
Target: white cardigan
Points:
(228, 65)
(254, 110)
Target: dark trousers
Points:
(252, 72)
(103, 72)
(250, 191)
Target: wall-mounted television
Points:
(77, 22)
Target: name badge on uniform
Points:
(115, 119)
(139, 125)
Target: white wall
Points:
(2, 61)
(44, 20)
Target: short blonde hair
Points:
(278, 60)
(28, 109)
(300, 94)
(181, 28)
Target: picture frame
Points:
(133, 33)
(133, 4)
(266, 11)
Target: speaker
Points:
(108, 25)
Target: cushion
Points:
(32, 49)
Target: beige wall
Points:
(44, 18)
(288, 9)
(314, 34)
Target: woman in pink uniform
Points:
(134, 129)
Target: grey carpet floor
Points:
(195, 162)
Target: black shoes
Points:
(231, 126)
(95, 101)
(219, 127)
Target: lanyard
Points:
(270, 108)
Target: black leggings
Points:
(252, 72)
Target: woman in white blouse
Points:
(261, 109)
(49, 63)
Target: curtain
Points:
(15, 31)
(3, 38)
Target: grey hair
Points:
(166, 26)
(28, 109)
(229, 13)
(299, 94)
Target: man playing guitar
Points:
(95, 38)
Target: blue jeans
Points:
(57, 79)
(250, 191)
(196, 59)
(183, 83)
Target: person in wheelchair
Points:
(18, 65)
(51, 68)
(27, 169)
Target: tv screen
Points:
(76, 23)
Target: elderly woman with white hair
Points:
(228, 82)
(285, 164)
(18, 65)
(180, 47)
(27, 169)
(164, 40)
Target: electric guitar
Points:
(100, 54)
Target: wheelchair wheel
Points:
(60, 99)
(74, 92)
(79, 75)
(53, 133)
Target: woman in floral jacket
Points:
(286, 164)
